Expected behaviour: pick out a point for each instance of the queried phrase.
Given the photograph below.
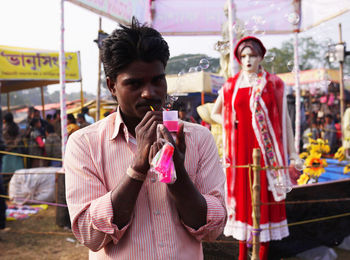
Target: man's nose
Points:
(148, 91)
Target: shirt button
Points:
(157, 213)
(161, 244)
(153, 179)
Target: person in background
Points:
(36, 144)
(81, 121)
(117, 206)
(13, 143)
(330, 133)
(88, 118)
(57, 122)
(42, 122)
(71, 124)
(53, 146)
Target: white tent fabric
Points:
(205, 17)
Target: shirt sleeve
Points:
(210, 181)
(89, 202)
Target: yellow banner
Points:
(31, 64)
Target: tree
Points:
(311, 55)
(183, 63)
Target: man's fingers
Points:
(180, 139)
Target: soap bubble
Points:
(299, 164)
(293, 18)
(269, 57)
(204, 64)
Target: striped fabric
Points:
(96, 159)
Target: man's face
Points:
(249, 60)
(139, 86)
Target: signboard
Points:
(31, 64)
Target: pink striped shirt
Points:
(96, 159)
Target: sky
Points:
(36, 24)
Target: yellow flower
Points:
(303, 179)
(346, 169)
(315, 165)
(303, 155)
(340, 154)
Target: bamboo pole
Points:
(256, 204)
(42, 102)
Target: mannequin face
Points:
(250, 60)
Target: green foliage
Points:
(311, 55)
(184, 62)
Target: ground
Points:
(38, 238)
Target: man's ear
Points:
(110, 84)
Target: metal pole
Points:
(256, 204)
(297, 93)
(232, 36)
(63, 85)
(341, 81)
(98, 97)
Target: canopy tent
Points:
(206, 17)
(24, 68)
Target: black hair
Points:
(8, 118)
(131, 43)
(85, 110)
(80, 115)
(34, 121)
(71, 118)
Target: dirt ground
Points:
(38, 238)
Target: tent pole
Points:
(341, 82)
(297, 93)
(232, 36)
(63, 84)
(42, 101)
(297, 10)
(98, 96)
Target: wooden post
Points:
(341, 83)
(62, 215)
(256, 204)
(42, 101)
(8, 102)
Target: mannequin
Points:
(252, 107)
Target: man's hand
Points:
(146, 135)
(180, 145)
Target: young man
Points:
(117, 206)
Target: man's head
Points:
(81, 119)
(85, 110)
(329, 119)
(134, 60)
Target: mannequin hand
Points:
(294, 174)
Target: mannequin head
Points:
(250, 60)
(250, 51)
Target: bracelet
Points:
(135, 175)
